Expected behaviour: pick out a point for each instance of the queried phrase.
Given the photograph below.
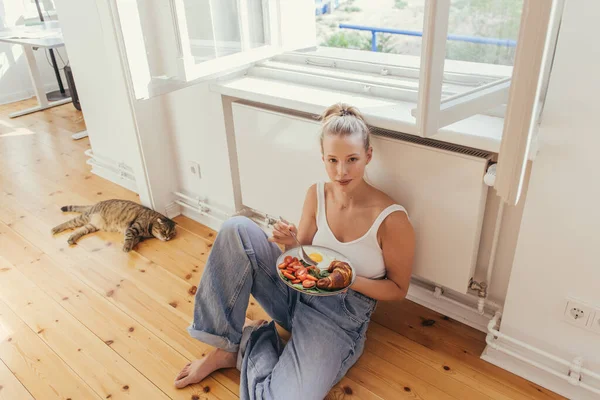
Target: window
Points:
(447, 60)
(170, 41)
(479, 49)
(479, 31)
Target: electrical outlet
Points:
(194, 169)
(595, 324)
(577, 313)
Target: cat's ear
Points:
(160, 221)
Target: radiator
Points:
(440, 185)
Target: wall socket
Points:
(595, 324)
(582, 315)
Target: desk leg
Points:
(38, 86)
(79, 135)
(36, 79)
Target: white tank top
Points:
(364, 253)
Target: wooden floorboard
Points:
(92, 322)
(35, 364)
(10, 387)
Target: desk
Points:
(47, 35)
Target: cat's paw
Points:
(127, 247)
(72, 241)
(55, 230)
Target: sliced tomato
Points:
(302, 274)
(289, 276)
(282, 266)
(287, 259)
(309, 277)
(308, 284)
(296, 281)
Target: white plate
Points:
(331, 255)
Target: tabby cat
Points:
(134, 220)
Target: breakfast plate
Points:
(306, 279)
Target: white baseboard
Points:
(172, 210)
(115, 178)
(112, 171)
(537, 375)
(212, 223)
(424, 297)
(24, 94)
(210, 214)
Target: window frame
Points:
(189, 70)
(534, 49)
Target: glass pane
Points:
(480, 50)
(388, 27)
(484, 31)
(216, 28)
(257, 24)
(200, 29)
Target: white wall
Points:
(15, 83)
(184, 126)
(101, 85)
(558, 251)
(199, 134)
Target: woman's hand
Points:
(282, 235)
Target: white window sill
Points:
(479, 132)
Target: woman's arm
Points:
(307, 227)
(398, 246)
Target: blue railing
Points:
(460, 38)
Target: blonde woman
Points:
(328, 333)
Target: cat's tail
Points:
(79, 209)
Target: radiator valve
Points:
(481, 288)
(490, 176)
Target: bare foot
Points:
(197, 370)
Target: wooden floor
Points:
(91, 322)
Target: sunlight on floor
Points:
(5, 333)
(18, 132)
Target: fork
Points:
(305, 257)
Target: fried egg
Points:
(316, 257)
(322, 259)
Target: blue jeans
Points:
(328, 333)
